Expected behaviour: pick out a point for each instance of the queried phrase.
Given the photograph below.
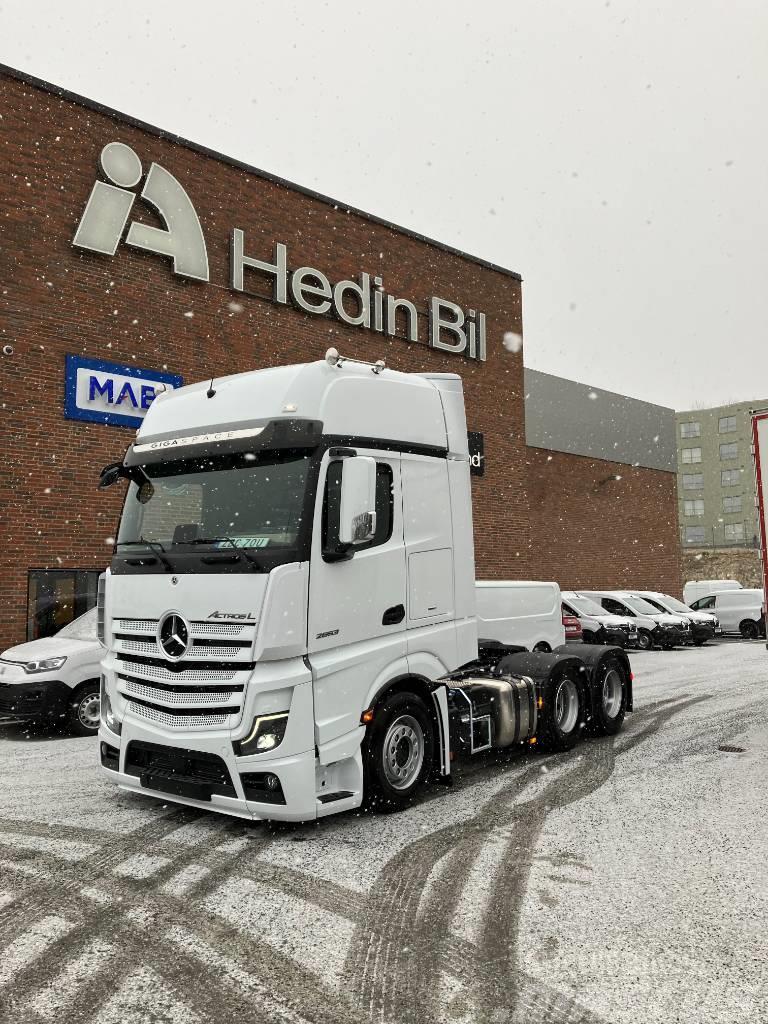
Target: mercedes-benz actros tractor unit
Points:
(289, 614)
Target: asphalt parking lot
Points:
(623, 882)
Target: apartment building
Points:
(716, 484)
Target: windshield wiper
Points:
(216, 540)
(153, 545)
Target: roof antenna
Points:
(210, 392)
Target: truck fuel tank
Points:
(491, 713)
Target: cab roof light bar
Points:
(333, 358)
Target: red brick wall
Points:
(592, 530)
(131, 308)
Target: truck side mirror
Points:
(357, 518)
(110, 474)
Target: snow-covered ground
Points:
(624, 882)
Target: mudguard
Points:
(594, 654)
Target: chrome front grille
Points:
(177, 694)
(176, 698)
(176, 721)
(187, 675)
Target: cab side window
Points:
(385, 506)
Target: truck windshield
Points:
(249, 505)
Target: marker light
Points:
(367, 716)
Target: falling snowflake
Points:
(512, 342)
(592, 395)
(234, 307)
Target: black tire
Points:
(400, 739)
(591, 638)
(83, 709)
(699, 643)
(543, 648)
(560, 722)
(644, 640)
(749, 629)
(610, 696)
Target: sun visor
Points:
(257, 435)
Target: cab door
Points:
(357, 605)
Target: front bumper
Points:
(671, 637)
(701, 631)
(212, 778)
(38, 698)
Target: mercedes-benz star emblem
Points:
(173, 636)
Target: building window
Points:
(692, 481)
(694, 535)
(734, 531)
(729, 451)
(726, 424)
(732, 503)
(694, 507)
(690, 430)
(730, 477)
(692, 455)
(56, 596)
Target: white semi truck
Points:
(289, 614)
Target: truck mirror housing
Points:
(357, 519)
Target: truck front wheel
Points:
(397, 752)
(562, 713)
(83, 709)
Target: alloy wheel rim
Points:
(403, 752)
(566, 705)
(612, 692)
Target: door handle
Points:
(393, 615)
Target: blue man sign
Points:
(101, 392)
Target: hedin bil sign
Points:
(361, 303)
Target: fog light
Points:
(267, 732)
(271, 782)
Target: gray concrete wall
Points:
(576, 418)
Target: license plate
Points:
(176, 785)
(718, 629)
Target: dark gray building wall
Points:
(565, 416)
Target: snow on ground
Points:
(622, 882)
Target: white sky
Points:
(614, 153)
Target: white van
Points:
(739, 611)
(520, 613)
(55, 677)
(694, 589)
(654, 628)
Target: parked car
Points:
(739, 611)
(654, 628)
(694, 589)
(704, 625)
(599, 626)
(520, 613)
(55, 677)
(572, 626)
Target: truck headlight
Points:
(44, 665)
(108, 716)
(266, 733)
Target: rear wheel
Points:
(397, 752)
(83, 709)
(562, 713)
(543, 648)
(749, 629)
(610, 696)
